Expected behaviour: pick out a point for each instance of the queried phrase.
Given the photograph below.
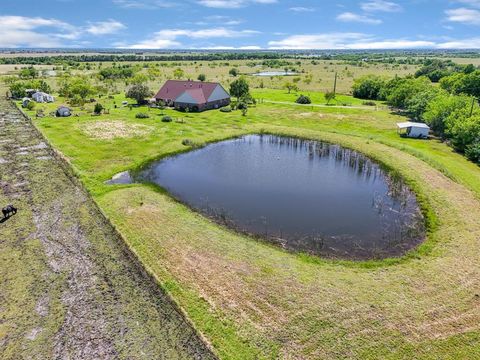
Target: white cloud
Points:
(144, 4)
(352, 41)
(317, 41)
(392, 44)
(380, 6)
(464, 16)
(168, 38)
(352, 17)
(232, 4)
(473, 43)
(105, 27)
(38, 32)
(301, 9)
(18, 31)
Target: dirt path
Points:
(68, 287)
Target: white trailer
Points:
(413, 130)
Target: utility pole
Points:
(335, 85)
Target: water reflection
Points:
(302, 195)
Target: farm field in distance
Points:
(249, 299)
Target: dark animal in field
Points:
(9, 210)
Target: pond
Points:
(275, 73)
(305, 196)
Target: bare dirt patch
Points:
(70, 288)
(113, 129)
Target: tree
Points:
(442, 107)
(178, 73)
(329, 96)
(138, 92)
(202, 77)
(417, 105)
(464, 131)
(233, 72)
(289, 86)
(405, 89)
(17, 88)
(28, 73)
(368, 87)
(138, 78)
(115, 72)
(76, 89)
(239, 87)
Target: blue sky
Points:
(240, 24)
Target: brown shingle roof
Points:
(200, 91)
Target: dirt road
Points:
(69, 289)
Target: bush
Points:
(303, 99)
(226, 109)
(30, 105)
(369, 103)
(142, 116)
(98, 108)
(166, 118)
(472, 152)
(329, 96)
(191, 143)
(242, 105)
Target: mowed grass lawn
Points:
(251, 300)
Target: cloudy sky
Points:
(240, 24)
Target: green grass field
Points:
(252, 300)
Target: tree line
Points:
(450, 108)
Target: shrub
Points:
(329, 96)
(166, 118)
(242, 105)
(30, 105)
(142, 116)
(191, 143)
(303, 99)
(473, 152)
(226, 109)
(98, 108)
(369, 103)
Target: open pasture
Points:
(252, 300)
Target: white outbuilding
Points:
(42, 97)
(413, 129)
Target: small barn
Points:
(63, 111)
(193, 95)
(42, 97)
(413, 129)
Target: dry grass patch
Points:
(114, 129)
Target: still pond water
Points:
(303, 195)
